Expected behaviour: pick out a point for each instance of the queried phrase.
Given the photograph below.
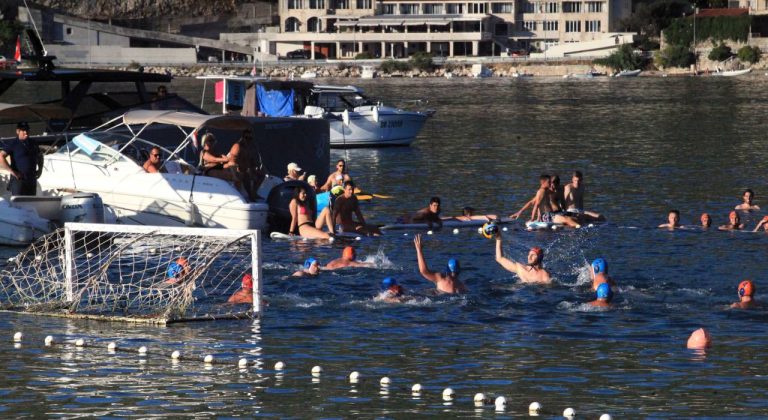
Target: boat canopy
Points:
(20, 112)
(187, 120)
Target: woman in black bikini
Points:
(302, 217)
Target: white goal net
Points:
(137, 273)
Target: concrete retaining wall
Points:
(122, 55)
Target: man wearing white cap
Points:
(293, 173)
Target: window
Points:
(501, 7)
(364, 4)
(317, 4)
(551, 7)
(433, 8)
(341, 4)
(528, 7)
(295, 4)
(476, 8)
(592, 25)
(571, 7)
(595, 7)
(409, 9)
(572, 26)
(549, 25)
(69, 31)
(501, 29)
(389, 9)
(292, 24)
(529, 25)
(314, 25)
(454, 8)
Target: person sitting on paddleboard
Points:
(532, 272)
(303, 217)
(673, 221)
(429, 215)
(573, 195)
(734, 222)
(348, 259)
(347, 206)
(747, 204)
(447, 282)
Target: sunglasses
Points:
(154, 155)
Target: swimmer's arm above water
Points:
(508, 264)
(525, 207)
(423, 269)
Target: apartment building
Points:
(398, 28)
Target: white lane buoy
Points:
(606, 417)
(534, 409)
(569, 412)
(448, 394)
(48, 340)
(143, 350)
(317, 370)
(500, 403)
(279, 366)
(208, 359)
(455, 231)
(591, 225)
(429, 232)
(479, 399)
(176, 355)
(79, 342)
(354, 377)
(18, 336)
(384, 381)
(331, 239)
(405, 234)
(242, 363)
(111, 346)
(416, 388)
(504, 229)
(358, 238)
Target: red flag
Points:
(17, 55)
(253, 71)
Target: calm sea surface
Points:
(644, 145)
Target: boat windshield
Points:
(338, 101)
(109, 146)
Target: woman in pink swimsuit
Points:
(303, 218)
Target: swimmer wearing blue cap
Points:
(392, 292)
(533, 272)
(604, 296)
(599, 271)
(447, 282)
(311, 268)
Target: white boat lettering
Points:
(392, 124)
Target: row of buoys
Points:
(480, 399)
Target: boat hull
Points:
(393, 128)
(19, 227)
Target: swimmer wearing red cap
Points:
(347, 260)
(706, 221)
(762, 224)
(447, 282)
(734, 222)
(673, 221)
(533, 272)
(245, 293)
(746, 292)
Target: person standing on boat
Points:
(244, 167)
(345, 207)
(26, 160)
(573, 194)
(337, 178)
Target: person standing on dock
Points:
(447, 282)
(25, 162)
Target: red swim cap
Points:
(733, 214)
(746, 288)
(538, 251)
(348, 253)
(704, 216)
(247, 281)
(765, 219)
(182, 262)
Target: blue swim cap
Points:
(308, 263)
(604, 292)
(387, 283)
(598, 265)
(174, 269)
(453, 266)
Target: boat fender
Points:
(376, 113)
(345, 117)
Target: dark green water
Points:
(645, 146)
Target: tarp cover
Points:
(275, 103)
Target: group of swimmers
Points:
(734, 219)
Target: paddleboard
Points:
(543, 226)
(280, 236)
(446, 224)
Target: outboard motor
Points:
(279, 198)
(83, 208)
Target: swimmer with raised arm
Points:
(447, 282)
(734, 222)
(532, 272)
(348, 259)
(746, 204)
(746, 295)
(573, 194)
(673, 221)
(603, 296)
(599, 273)
(762, 224)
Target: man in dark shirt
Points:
(25, 157)
(347, 206)
(430, 214)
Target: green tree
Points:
(675, 56)
(364, 56)
(720, 52)
(624, 58)
(391, 66)
(749, 54)
(9, 30)
(421, 60)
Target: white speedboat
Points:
(628, 73)
(521, 75)
(354, 119)
(309, 74)
(367, 72)
(20, 226)
(731, 73)
(109, 163)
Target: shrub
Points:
(675, 56)
(364, 56)
(341, 66)
(623, 58)
(391, 66)
(749, 54)
(422, 61)
(720, 52)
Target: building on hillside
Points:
(399, 28)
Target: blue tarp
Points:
(323, 200)
(275, 103)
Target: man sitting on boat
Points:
(25, 160)
(293, 173)
(155, 161)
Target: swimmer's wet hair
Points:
(434, 200)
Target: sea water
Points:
(645, 146)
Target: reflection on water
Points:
(645, 146)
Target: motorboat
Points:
(355, 120)
(309, 74)
(367, 72)
(521, 75)
(109, 162)
(589, 74)
(628, 73)
(20, 226)
(479, 71)
(731, 73)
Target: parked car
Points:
(298, 55)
